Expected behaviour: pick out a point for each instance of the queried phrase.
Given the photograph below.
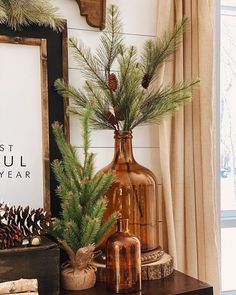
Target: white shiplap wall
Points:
(139, 20)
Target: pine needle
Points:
(87, 63)
(68, 91)
(164, 102)
(19, 13)
(158, 51)
(3, 15)
(111, 40)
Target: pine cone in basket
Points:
(10, 236)
(3, 212)
(29, 221)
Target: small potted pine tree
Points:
(82, 193)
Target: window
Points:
(228, 144)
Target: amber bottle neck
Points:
(123, 225)
(123, 151)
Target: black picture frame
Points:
(57, 66)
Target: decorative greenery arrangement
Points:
(19, 13)
(125, 98)
(82, 195)
(17, 223)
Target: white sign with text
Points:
(21, 152)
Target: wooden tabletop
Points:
(176, 283)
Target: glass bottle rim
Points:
(123, 133)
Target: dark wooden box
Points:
(41, 262)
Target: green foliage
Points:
(19, 13)
(3, 15)
(81, 192)
(123, 99)
(158, 51)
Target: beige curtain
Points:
(187, 145)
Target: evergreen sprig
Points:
(81, 191)
(160, 50)
(124, 99)
(111, 40)
(3, 15)
(19, 13)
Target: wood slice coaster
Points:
(152, 256)
(150, 271)
(158, 269)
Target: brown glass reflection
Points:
(133, 194)
(123, 260)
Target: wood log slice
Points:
(158, 269)
(19, 286)
(150, 271)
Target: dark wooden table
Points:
(176, 283)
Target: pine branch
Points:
(88, 65)
(104, 228)
(99, 209)
(123, 100)
(100, 99)
(58, 170)
(110, 40)
(101, 124)
(70, 236)
(3, 15)
(88, 226)
(164, 102)
(127, 61)
(94, 187)
(24, 13)
(101, 189)
(89, 167)
(157, 52)
(68, 91)
(71, 162)
(86, 133)
(97, 97)
(129, 91)
(73, 232)
(72, 205)
(68, 173)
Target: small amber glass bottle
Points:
(123, 260)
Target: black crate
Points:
(41, 263)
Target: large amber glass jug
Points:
(134, 193)
(123, 260)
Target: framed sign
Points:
(31, 60)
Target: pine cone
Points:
(118, 114)
(111, 118)
(29, 221)
(112, 82)
(3, 213)
(146, 81)
(10, 236)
